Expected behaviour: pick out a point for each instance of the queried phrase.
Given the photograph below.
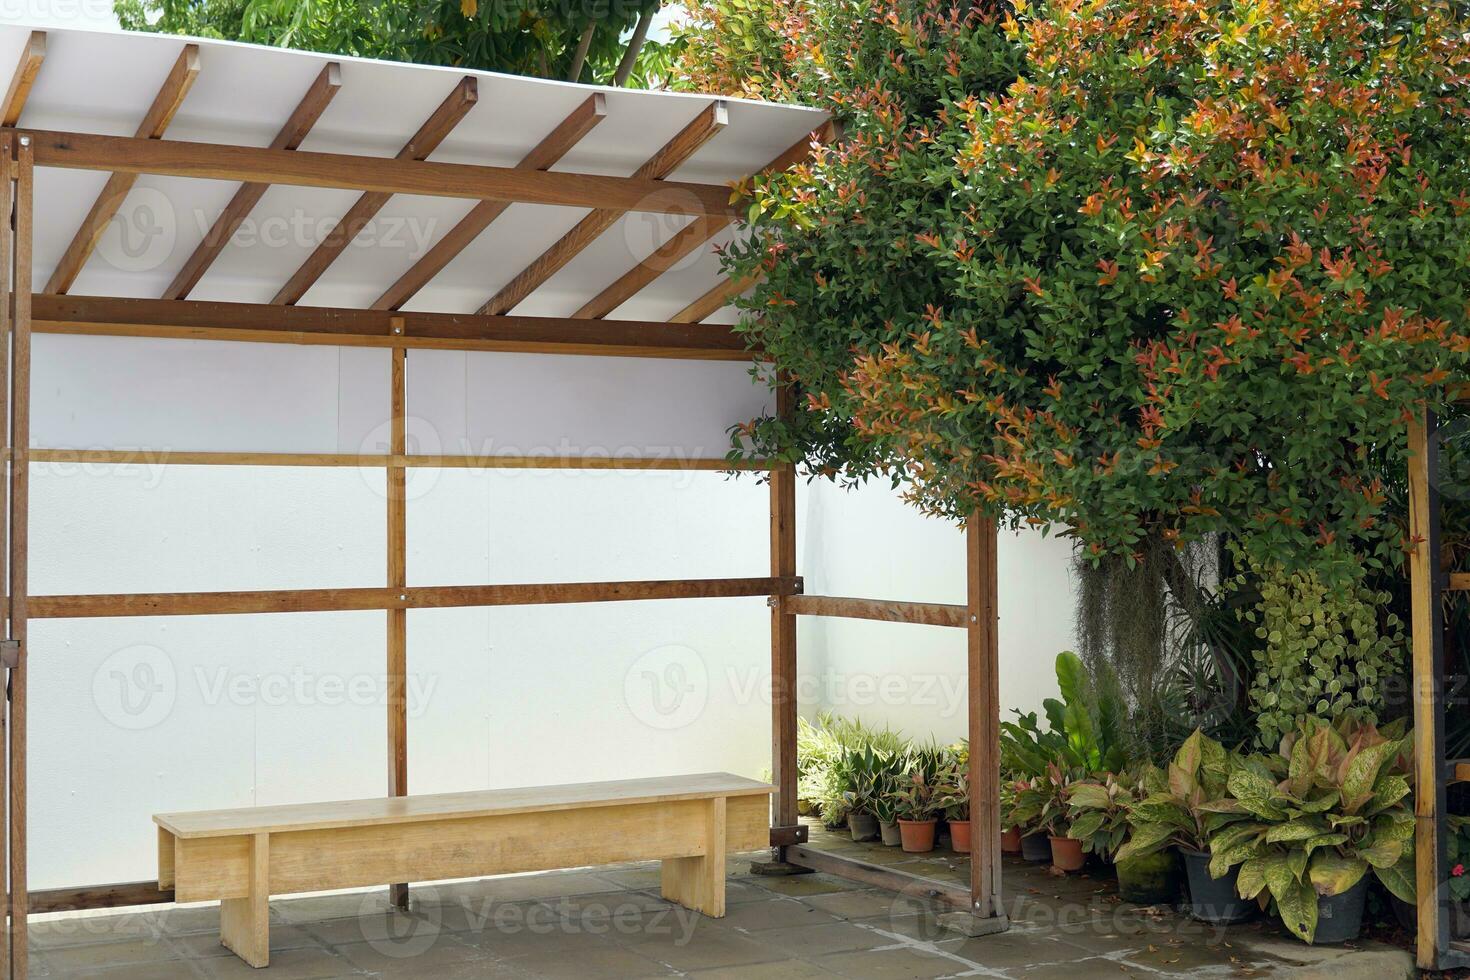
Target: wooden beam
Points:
(545, 154)
(302, 168)
(7, 258)
(120, 895)
(434, 131)
(920, 613)
(422, 597)
(19, 538)
(193, 319)
(305, 116)
(713, 301)
(397, 484)
(24, 78)
(879, 876)
(1428, 694)
(168, 457)
(165, 104)
(783, 635)
(983, 672)
(690, 238)
(670, 157)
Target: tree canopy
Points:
(584, 40)
(1150, 269)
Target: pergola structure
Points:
(562, 175)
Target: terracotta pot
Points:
(1066, 854)
(959, 836)
(1010, 841)
(890, 833)
(918, 835)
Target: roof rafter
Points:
(435, 129)
(165, 104)
(712, 301)
(25, 76)
(305, 116)
(216, 161)
(567, 134)
(688, 239)
(669, 158)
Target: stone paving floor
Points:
(611, 923)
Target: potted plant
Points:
(914, 807)
(860, 771)
(1100, 811)
(1066, 849)
(1329, 808)
(1010, 833)
(1030, 797)
(1183, 810)
(953, 801)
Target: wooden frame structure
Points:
(1433, 772)
(683, 337)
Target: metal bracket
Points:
(9, 654)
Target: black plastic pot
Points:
(1213, 900)
(862, 826)
(1340, 917)
(1149, 880)
(1036, 847)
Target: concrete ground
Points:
(611, 923)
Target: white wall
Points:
(131, 717)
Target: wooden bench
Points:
(242, 857)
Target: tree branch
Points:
(635, 45)
(580, 57)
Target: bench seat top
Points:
(439, 806)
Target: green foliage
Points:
(526, 37)
(1133, 268)
(1085, 727)
(821, 748)
(1330, 807)
(1457, 854)
(1099, 809)
(1326, 650)
(1186, 805)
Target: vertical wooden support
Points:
(783, 637)
(20, 442)
(7, 158)
(699, 882)
(984, 714)
(1428, 688)
(244, 923)
(398, 579)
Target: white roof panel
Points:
(103, 82)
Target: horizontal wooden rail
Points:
(1458, 582)
(922, 613)
(1457, 770)
(879, 876)
(249, 164)
(420, 597)
(162, 457)
(120, 895)
(262, 323)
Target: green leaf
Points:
(1332, 873)
(1256, 793)
(1251, 880)
(1399, 879)
(1297, 906)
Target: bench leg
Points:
(699, 882)
(244, 923)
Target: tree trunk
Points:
(635, 45)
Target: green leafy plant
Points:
(1329, 808)
(1457, 853)
(1186, 805)
(821, 746)
(917, 795)
(1325, 651)
(952, 793)
(1085, 728)
(1099, 812)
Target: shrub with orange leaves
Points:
(1140, 267)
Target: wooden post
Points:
(398, 579)
(783, 636)
(20, 441)
(1428, 688)
(7, 187)
(984, 715)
